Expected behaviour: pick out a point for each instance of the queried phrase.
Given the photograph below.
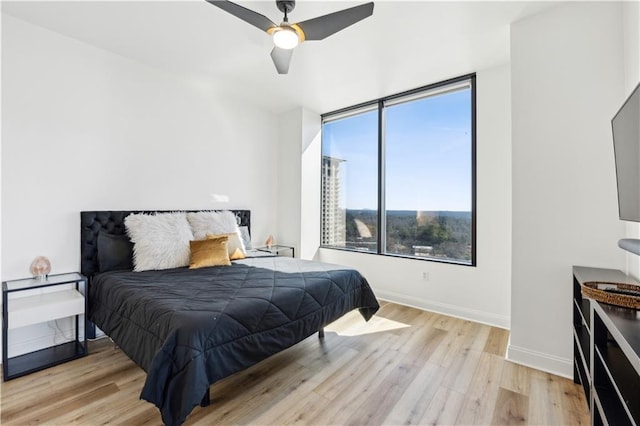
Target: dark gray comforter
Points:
(189, 328)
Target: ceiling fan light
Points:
(285, 38)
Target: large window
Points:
(398, 174)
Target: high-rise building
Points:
(333, 212)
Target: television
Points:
(626, 147)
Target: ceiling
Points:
(405, 44)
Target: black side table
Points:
(48, 299)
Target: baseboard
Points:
(540, 361)
(446, 309)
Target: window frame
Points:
(380, 105)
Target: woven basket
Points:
(592, 291)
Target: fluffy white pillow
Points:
(216, 223)
(160, 241)
(203, 223)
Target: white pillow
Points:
(160, 241)
(215, 223)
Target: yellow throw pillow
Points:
(209, 252)
(234, 247)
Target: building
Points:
(333, 211)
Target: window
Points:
(398, 174)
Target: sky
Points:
(428, 154)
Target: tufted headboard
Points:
(92, 222)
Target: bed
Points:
(188, 328)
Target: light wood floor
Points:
(405, 366)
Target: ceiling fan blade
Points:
(281, 59)
(326, 25)
(247, 15)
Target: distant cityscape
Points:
(433, 234)
(444, 235)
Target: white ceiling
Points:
(405, 44)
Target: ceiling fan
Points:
(286, 36)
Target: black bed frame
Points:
(112, 221)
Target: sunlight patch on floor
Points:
(376, 324)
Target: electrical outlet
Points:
(425, 276)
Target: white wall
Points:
(299, 181)
(310, 204)
(631, 29)
(84, 129)
(566, 84)
(287, 231)
(479, 293)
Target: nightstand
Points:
(279, 250)
(32, 301)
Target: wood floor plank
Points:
(275, 391)
(516, 378)
(18, 401)
(354, 393)
(109, 408)
(556, 400)
(459, 338)
(416, 398)
(20, 395)
(511, 408)
(334, 384)
(545, 404)
(447, 323)
(497, 341)
(269, 390)
(147, 415)
(574, 402)
(462, 370)
(412, 337)
(480, 337)
(400, 313)
(51, 412)
(310, 406)
(309, 402)
(375, 408)
(423, 349)
(480, 398)
(443, 408)
(406, 366)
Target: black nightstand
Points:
(279, 250)
(54, 297)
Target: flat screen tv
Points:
(626, 146)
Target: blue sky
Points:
(428, 157)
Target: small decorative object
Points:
(269, 242)
(40, 267)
